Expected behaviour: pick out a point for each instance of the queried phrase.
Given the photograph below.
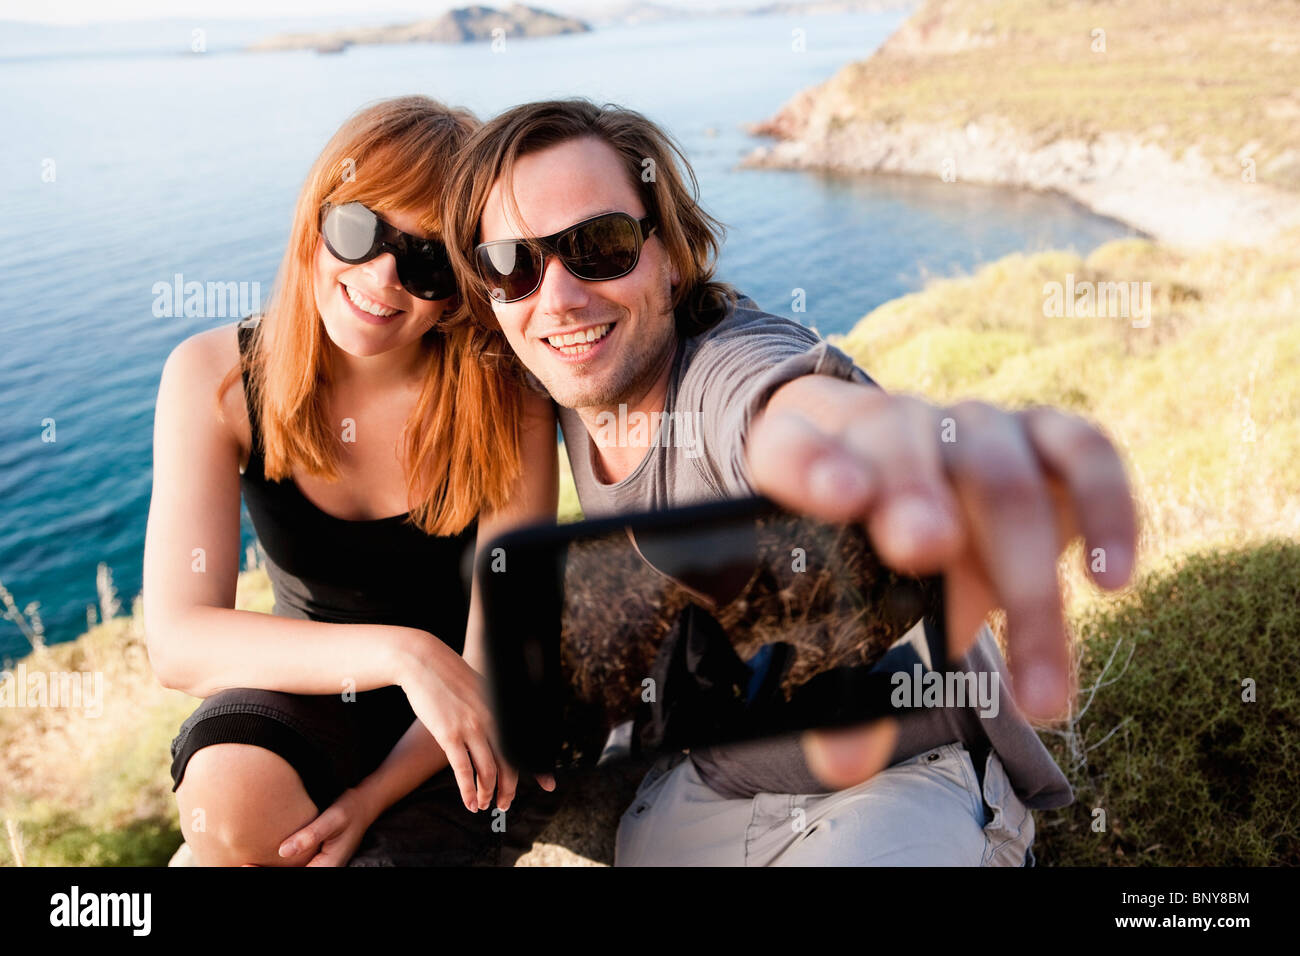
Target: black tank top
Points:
(324, 568)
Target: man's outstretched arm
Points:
(986, 497)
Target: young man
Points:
(615, 308)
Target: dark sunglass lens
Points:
(425, 270)
(509, 269)
(601, 249)
(350, 230)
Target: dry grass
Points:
(94, 789)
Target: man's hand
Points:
(988, 498)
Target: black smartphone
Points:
(691, 626)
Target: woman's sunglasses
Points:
(600, 248)
(353, 233)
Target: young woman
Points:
(374, 441)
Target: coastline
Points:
(1179, 201)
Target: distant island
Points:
(475, 23)
(462, 25)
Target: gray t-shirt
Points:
(720, 380)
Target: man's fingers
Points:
(1008, 507)
(546, 781)
(968, 599)
(845, 758)
(804, 469)
(885, 468)
(915, 522)
(1100, 497)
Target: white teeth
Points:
(366, 304)
(575, 343)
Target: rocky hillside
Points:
(462, 25)
(1182, 120)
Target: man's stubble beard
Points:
(631, 379)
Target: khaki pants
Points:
(924, 811)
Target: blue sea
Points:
(123, 168)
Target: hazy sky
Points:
(82, 11)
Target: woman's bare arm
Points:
(197, 641)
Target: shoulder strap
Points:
(248, 329)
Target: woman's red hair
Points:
(461, 440)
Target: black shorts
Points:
(333, 744)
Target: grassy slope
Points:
(1189, 73)
(84, 790)
(1186, 768)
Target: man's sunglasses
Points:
(600, 248)
(353, 233)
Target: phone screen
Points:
(687, 627)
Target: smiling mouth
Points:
(577, 343)
(367, 304)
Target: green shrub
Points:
(56, 836)
(1185, 770)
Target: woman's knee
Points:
(238, 802)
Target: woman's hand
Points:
(336, 833)
(447, 696)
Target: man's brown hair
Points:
(655, 165)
